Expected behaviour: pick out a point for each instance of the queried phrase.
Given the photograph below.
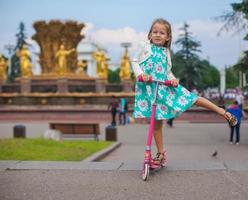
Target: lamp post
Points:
(126, 45)
(222, 81)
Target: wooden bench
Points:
(77, 129)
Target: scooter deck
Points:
(157, 167)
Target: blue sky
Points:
(111, 22)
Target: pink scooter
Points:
(148, 163)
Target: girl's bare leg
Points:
(202, 102)
(158, 136)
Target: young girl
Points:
(154, 60)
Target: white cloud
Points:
(222, 50)
(87, 29)
(113, 37)
(207, 28)
(111, 40)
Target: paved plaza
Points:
(192, 172)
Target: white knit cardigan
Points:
(143, 53)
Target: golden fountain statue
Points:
(125, 66)
(61, 57)
(25, 61)
(3, 67)
(50, 36)
(101, 64)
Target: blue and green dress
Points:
(171, 101)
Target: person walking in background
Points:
(113, 107)
(123, 108)
(153, 61)
(241, 102)
(237, 112)
(240, 99)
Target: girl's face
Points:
(159, 34)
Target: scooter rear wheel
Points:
(145, 172)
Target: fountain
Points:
(63, 80)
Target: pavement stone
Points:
(190, 147)
(45, 165)
(7, 164)
(121, 166)
(192, 173)
(101, 154)
(237, 166)
(122, 185)
(102, 166)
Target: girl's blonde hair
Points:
(168, 28)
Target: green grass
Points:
(41, 149)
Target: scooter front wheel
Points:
(145, 172)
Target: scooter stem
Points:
(152, 119)
(151, 127)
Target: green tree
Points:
(15, 63)
(21, 36)
(188, 67)
(113, 76)
(232, 80)
(237, 19)
(210, 75)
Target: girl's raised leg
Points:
(202, 102)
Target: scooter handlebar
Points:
(166, 82)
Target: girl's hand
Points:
(145, 77)
(174, 82)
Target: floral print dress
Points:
(171, 101)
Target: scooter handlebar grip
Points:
(140, 78)
(168, 83)
(150, 79)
